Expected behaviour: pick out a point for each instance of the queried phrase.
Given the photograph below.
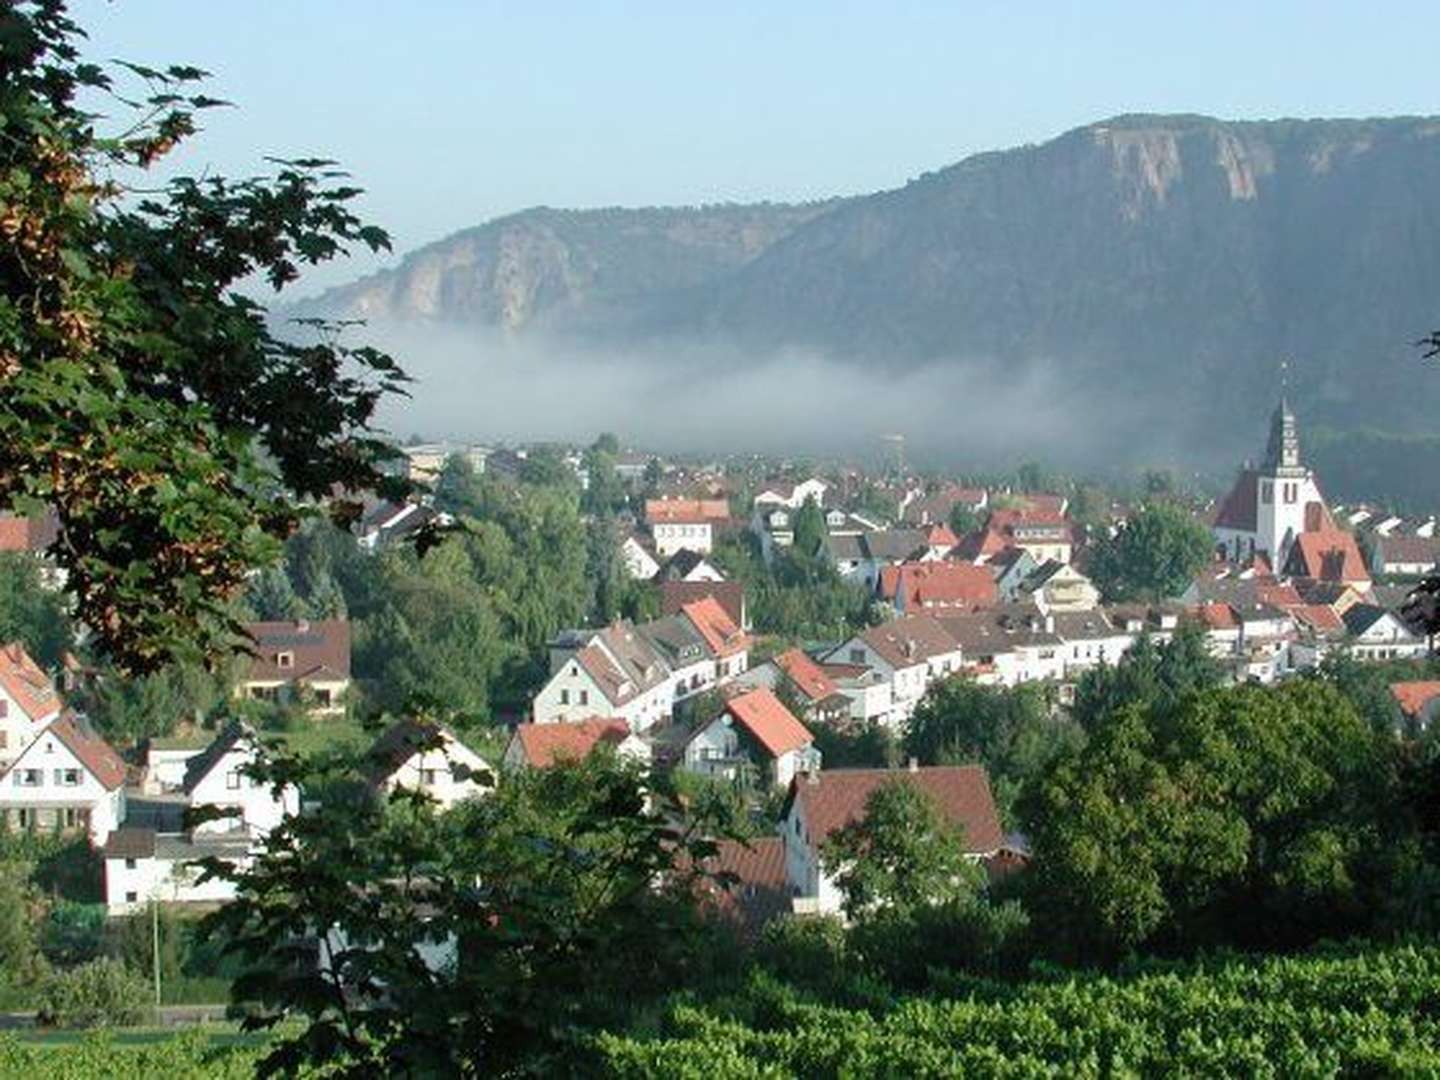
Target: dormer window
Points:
(285, 660)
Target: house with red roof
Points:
(29, 701)
(820, 698)
(908, 653)
(1043, 531)
(938, 586)
(685, 524)
(539, 746)
(819, 803)
(1418, 701)
(755, 733)
(299, 661)
(1329, 555)
(612, 672)
(746, 886)
(728, 644)
(66, 779)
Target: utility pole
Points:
(155, 947)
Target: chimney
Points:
(913, 765)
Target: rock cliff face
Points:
(1171, 260)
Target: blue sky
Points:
(450, 113)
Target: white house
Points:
(1377, 634)
(144, 866)
(684, 524)
(67, 779)
(218, 777)
(28, 701)
(911, 652)
(421, 756)
(614, 672)
(756, 731)
(638, 558)
(819, 803)
(1056, 586)
(687, 565)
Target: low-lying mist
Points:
(477, 384)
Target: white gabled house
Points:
(638, 557)
(67, 779)
(219, 777)
(420, 756)
(1377, 634)
(28, 701)
(610, 672)
(910, 652)
(754, 732)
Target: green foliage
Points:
(29, 612)
(796, 598)
(1150, 676)
(147, 401)
(866, 746)
(1245, 814)
(1013, 732)
(809, 530)
(127, 710)
(547, 889)
(1156, 554)
(1357, 1012)
(73, 933)
(22, 963)
(545, 466)
(100, 993)
(140, 1056)
(900, 856)
(964, 520)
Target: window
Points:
(25, 818)
(130, 897)
(285, 660)
(323, 698)
(584, 697)
(427, 777)
(1267, 492)
(28, 778)
(857, 656)
(4, 739)
(70, 818)
(564, 697)
(1290, 492)
(232, 779)
(67, 777)
(130, 865)
(4, 708)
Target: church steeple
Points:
(1283, 452)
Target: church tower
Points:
(1287, 495)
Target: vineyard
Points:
(1372, 1011)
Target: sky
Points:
(450, 113)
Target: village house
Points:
(937, 587)
(387, 523)
(613, 672)
(755, 734)
(1010, 567)
(1403, 556)
(417, 755)
(215, 808)
(1056, 586)
(910, 652)
(1374, 633)
(1417, 702)
(689, 566)
(1327, 554)
(729, 645)
(28, 701)
(870, 694)
(1088, 638)
(637, 554)
(730, 595)
(301, 662)
(820, 698)
(1044, 532)
(774, 507)
(819, 803)
(66, 779)
(921, 509)
(1008, 645)
(686, 653)
(539, 746)
(685, 524)
(757, 891)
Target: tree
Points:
(1156, 554)
(963, 519)
(177, 437)
(29, 612)
(900, 855)
(21, 913)
(809, 529)
(545, 466)
(565, 895)
(605, 492)
(1155, 677)
(1245, 815)
(1013, 732)
(1032, 478)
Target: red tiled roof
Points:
(1320, 617)
(1277, 595)
(1332, 555)
(29, 686)
(941, 536)
(312, 647)
(544, 744)
(686, 511)
(806, 674)
(1238, 510)
(832, 798)
(1218, 616)
(28, 533)
(909, 640)
(759, 891)
(941, 584)
(98, 756)
(1415, 695)
(730, 595)
(762, 714)
(721, 633)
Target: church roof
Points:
(1237, 511)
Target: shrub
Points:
(102, 993)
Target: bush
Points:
(73, 933)
(102, 993)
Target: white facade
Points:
(1387, 638)
(48, 787)
(253, 808)
(168, 876)
(438, 773)
(908, 682)
(673, 536)
(572, 695)
(17, 728)
(639, 563)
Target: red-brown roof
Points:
(721, 633)
(1413, 696)
(28, 686)
(762, 714)
(1238, 510)
(686, 511)
(1331, 555)
(1319, 617)
(320, 648)
(947, 584)
(98, 756)
(674, 595)
(759, 891)
(545, 744)
(806, 674)
(941, 536)
(28, 533)
(1218, 616)
(832, 798)
(909, 640)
